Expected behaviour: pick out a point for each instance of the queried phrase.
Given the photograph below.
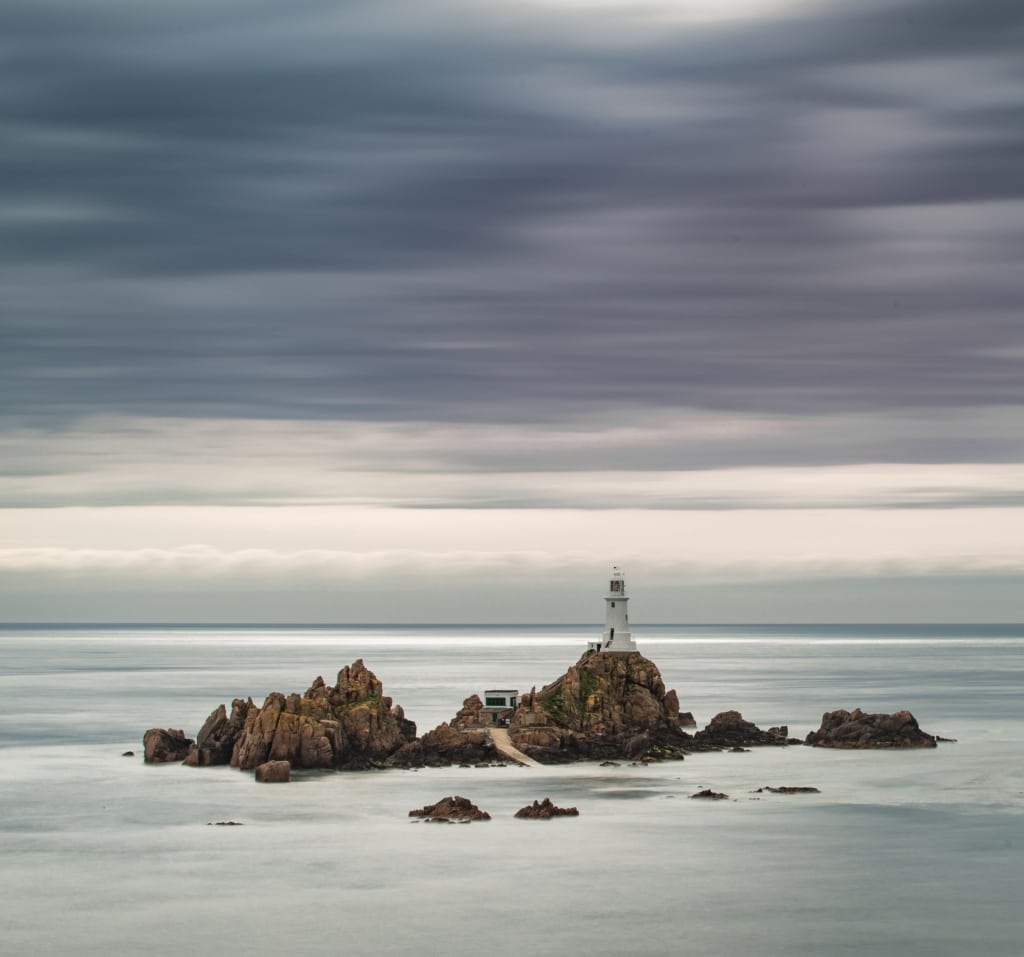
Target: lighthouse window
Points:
(613, 604)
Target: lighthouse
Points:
(616, 635)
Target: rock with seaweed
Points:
(607, 705)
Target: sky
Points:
(433, 311)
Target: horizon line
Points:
(492, 624)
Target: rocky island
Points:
(611, 704)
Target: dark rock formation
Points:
(687, 720)
(709, 795)
(787, 790)
(728, 730)
(605, 706)
(127, 754)
(274, 772)
(451, 809)
(216, 739)
(545, 810)
(444, 746)
(855, 729)
(224, 824)
(163, 745)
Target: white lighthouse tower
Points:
(616, 635)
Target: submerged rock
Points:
(165, 745)
(857, 730)
(545, 810)
(788, 790)
(451, 809)
(708, 795)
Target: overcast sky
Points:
(335, 310)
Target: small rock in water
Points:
(455, 809)
(710, 795)
(128, 754)
(224, 824)
(545, 810)
(274, 772)
(788, 790)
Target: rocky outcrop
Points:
(545, 810)
(216, 739)
(274, 772)
(728, 730)
(446, 745)
(456, 809)
(857, 730)
(470, 715)
(350, 725)
(164, 745)
(605, 706)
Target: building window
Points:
(495, 702)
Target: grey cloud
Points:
(404, 211)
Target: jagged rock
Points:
(605, 706)
(855, 729)
(470, 715)
(274, 772)
(687, 720)
(216, 739)
(728, 730)
(545, 810)
(445, 746)
(351, 725)
(708, 794)
(451, 809)
(164, 745)
(788, 790)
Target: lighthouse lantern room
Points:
(616, 635)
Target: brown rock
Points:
(545, 810)
(470, 715)
(164, 745)
(349, 725)
(605, 706)
(445, 746)
(857, 730)
(216, 739)
(451, 809)
(728, 730)
(274, 772)
(709, 795)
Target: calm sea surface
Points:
(912, 853)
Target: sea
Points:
(900, 854)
